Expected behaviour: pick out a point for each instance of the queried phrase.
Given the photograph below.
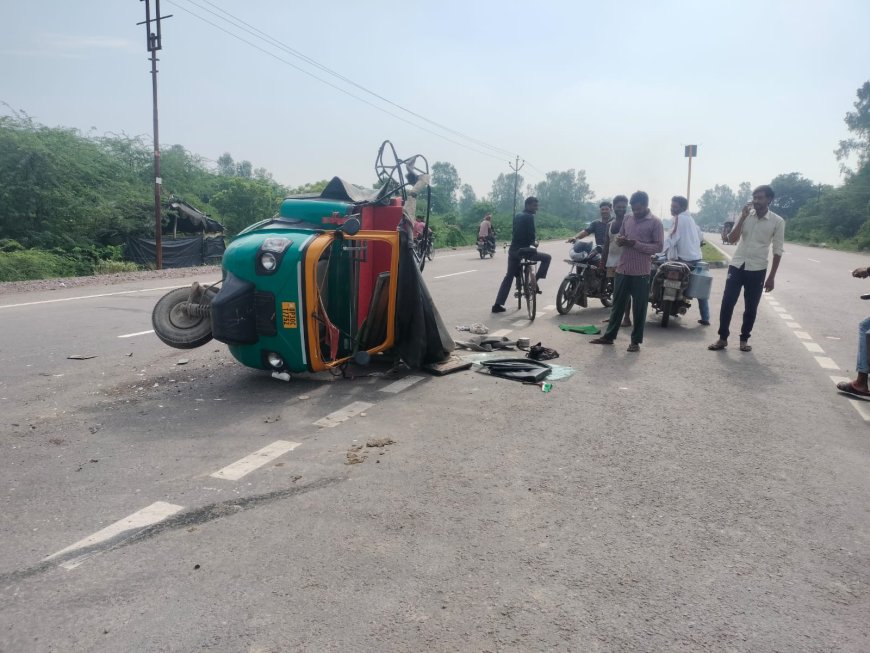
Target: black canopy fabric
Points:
(343, 191)
(421, 335)
(177, 252)
(190, 220)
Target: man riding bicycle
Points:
(523, 238)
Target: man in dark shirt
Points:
(597, 228)
(523, 236)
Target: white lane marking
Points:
(832, 338)
(785, 316)
(793, 325)
(860, 406)
(778, 309)
(401, 384)
(454, 274)
(343, 414)
(138, 333)
(813, 260)
(72, 299)
(520, 323)
(803, 335)
(551, 307)
(827, 363)
(540, 314)
(257, 459)
(501, 333)
(813, 347)
(148, 516)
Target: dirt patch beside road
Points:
(11, 287)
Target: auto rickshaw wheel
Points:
(178, 326)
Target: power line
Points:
(330, 84)
(283, 46)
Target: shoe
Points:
(538, 289)
(498, 309)
(704, 322)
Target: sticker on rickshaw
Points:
(288, 314)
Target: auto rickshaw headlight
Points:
(271, 253)
(268, 261)
(275, 360)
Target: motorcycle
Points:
(586, 279)
(331, 279)
(667, 290)
(486, 246)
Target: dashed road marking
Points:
(827, 363)
(813, 347)
(148, 516)
(454, 274)
(551, 307)
(793, 325)
(803, 335)
(785, 316)
(860, 406)
(813, 260)
(72, 299)
(777, 308)
(343, 414)
(501, 333)
(520, 323)
(257, 459)
(138, 333)
(401, 384)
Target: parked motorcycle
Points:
(667, 290)
(586, 279)
(486, 247)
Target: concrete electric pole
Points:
(691, 152)
(153, 44)
(516, 168)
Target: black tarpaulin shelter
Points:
(177, 252)
(188, 219)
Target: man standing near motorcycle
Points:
(523, 236)
(684, 244)
(858, 387)
(758, 230)
(641, 236)
(612, 251)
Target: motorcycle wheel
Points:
(482, 254)
(667, 307)
(175, 327)
(565, 296)
(607, 301)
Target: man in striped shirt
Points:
(641, 236)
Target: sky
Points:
(616, 89)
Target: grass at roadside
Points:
(711, 254)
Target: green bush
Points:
(113, 267)
(35, 264)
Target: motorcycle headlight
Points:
(268, 261)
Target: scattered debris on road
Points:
(81, 357)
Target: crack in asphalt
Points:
(184, 519)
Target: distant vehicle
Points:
(726, 229)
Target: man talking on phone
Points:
(757, 230)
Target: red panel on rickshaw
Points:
(379, 255)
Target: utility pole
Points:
(154, 43)
(691, 151)
(516, 168)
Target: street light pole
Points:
(153, 44)
(516, 168)
(691, 152)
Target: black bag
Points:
(517, 369)
(540, 353)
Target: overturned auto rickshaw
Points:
(331, 279)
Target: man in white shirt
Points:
(758, 230)
(486, 231)
(684, 244)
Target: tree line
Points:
(816, 213)
(70, 200)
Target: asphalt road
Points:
(676, 499)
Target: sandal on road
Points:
(718, 345)
(745, 346)
(601, 341)
(849, 388)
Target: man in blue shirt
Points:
(523, 237)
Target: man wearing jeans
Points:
(524, 236)
(641, 236)
(684, 244)
(859, 387)
(758, 230)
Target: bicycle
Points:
(527, 282)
